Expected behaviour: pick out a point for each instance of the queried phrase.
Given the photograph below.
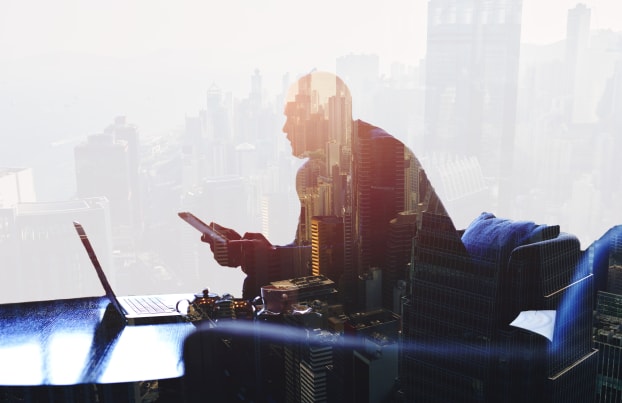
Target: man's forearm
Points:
(277, 262)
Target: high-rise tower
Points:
(577, 43)
(107, 165)
(387, 179)
(471, 81)
(379, 184)
(606, 254)
(327, 246)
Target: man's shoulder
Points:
(367, 130)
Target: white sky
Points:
(293, 34)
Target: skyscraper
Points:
(606, 254)
(107, 165)
(577, 43)
(317, 356)
(608, 341)
(471, 82)
(128, 133)
(327, 247)
(378, 189)
(399, 252)
(387, 179)
(369, 356)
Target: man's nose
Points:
(285, 128)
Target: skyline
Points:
(121, 29)
(72, 57)
(53, 105)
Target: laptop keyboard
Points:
(148, 305)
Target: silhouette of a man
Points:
(361, 181)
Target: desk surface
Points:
(80, 341)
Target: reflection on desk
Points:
(79, 341)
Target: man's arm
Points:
(261, 261)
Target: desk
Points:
(79, 341)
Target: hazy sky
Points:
(294, 35)
(81, 62)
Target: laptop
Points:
(136, 309)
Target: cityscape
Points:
(393, 231)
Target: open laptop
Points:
(136, 309)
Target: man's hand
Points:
(220, 244)
(255, 251)
(232, 250)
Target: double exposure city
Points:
(444, 230)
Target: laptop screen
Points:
(100, 272)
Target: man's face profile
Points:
(294, 130)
